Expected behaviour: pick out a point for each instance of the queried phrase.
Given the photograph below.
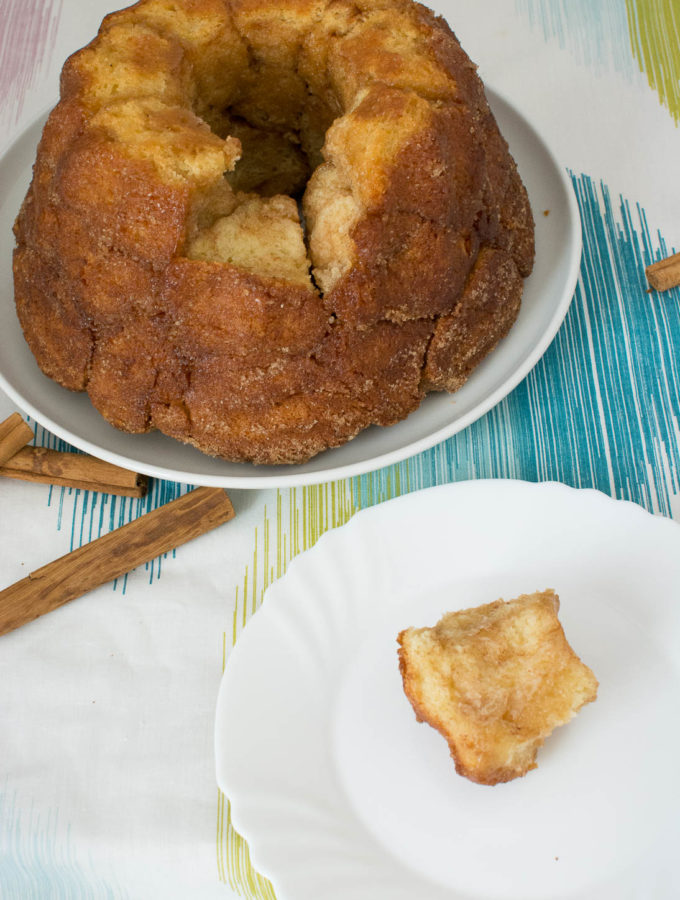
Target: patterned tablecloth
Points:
(107, 779)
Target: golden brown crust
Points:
(53, 324)
(418, 228)
(495, 681)
(486, 311)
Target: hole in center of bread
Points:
(255, 220)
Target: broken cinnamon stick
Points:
(113, 555)
(664, 274)
(14, 434)
(78, 470)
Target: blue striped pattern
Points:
(602, 407)
(89, 514)
(595, 34)
(39, 862)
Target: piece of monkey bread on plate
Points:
(495, 681)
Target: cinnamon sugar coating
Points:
(162, 263)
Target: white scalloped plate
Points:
(547, 295)
(342, 794)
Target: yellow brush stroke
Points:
(311, 512)
(654, 27)
(233, 858)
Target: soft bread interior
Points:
(262, 235)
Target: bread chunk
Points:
(263, 234)
(495, 681)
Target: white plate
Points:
(342, 794)
(547, 296)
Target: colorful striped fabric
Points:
(625, 35)
(600, 410)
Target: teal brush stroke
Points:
(601, 408)
(38, 860)
(93, 514)
(596, 34)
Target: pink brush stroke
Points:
(28, 30)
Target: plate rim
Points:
(284, 477)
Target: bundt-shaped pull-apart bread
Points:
(162, 262)
(495, 681)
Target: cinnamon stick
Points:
(78, 470)
(113, 555)
(14, 434)
(664, 274)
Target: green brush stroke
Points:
(654, 27)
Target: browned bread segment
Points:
(495, 681)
